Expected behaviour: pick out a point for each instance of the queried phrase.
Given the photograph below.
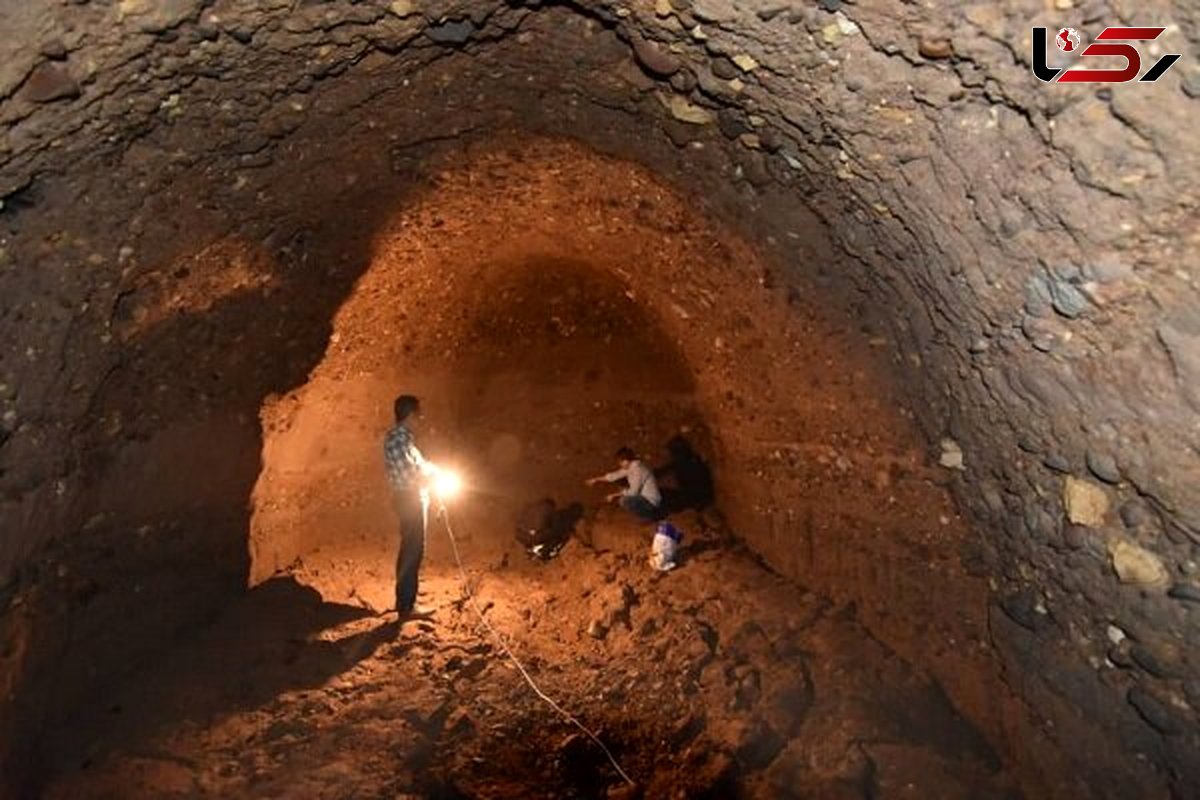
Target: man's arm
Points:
(423, 465)
(608, 477)
(405, 463)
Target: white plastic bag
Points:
(665, 547)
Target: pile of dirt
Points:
(718, 679)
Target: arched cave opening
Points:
(940, 355)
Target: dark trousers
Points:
(641, 508)
(412, 548)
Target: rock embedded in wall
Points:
(49, 82)
(451, 32)
(1137, 565)
(657, 60)
(156, 16)
(1086, 503)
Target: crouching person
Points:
(641, 496)
(543, 528)
(664, 550)
(536, 530)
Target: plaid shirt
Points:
(403, 460)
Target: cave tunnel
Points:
(931, 325)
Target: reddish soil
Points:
(534, 395)
(549, 307)
(718, 679)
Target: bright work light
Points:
(446, 484)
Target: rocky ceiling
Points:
(1029, 251)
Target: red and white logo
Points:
(1068, 40)
(1111, 43)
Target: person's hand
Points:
(613, 496)
(591, 481)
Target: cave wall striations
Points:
(1029, 249)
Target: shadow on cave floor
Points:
(201, 345)
(716, 680)
(272, 640)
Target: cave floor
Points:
(719, 679)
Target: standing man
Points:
(641, 496)
(407, 470)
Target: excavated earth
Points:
(717, 680)
(534, 362)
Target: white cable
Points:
(521, 667)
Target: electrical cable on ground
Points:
(508, 652)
